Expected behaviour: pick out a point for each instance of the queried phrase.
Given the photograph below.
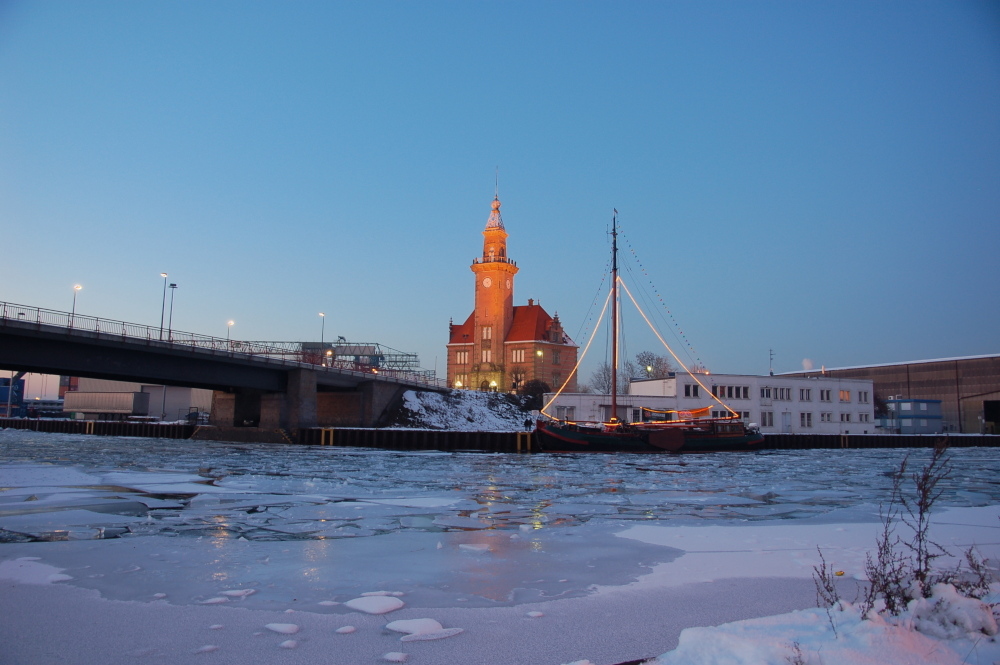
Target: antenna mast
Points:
(614, 317)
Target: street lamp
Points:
(72, 316)
(163, 305)
(322, 329)
(170, 321)
(229, 327)
(649, 371)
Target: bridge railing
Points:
(283, 353)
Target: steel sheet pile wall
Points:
(399, 439)
(490, 442)
(102, 428)
(802, 441)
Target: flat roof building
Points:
(968, 387)
(777, 404)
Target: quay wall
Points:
(409, 439)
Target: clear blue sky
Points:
(822, 179)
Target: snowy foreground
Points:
(154, 551)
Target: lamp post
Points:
(72, 316)
(163, 304)
(229, 328)
(170, 321)
(322, 329)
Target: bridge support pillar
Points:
(300, 399)
(223, 409)
(376, 397)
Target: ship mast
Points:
(614, 317)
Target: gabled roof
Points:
(530, 324)
(463, 334)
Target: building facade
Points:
(103, 399)
(912, 416)
(968, 387)
(778, 404)
(502, 346)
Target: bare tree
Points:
(653, 366)
(600, 380)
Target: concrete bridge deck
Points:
(252, 382)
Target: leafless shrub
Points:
(903, 570)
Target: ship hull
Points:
(703, 437)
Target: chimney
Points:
(531, 301)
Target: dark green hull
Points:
(702, 437)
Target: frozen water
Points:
(301, 526)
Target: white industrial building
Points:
(778, 404)
(103, 399)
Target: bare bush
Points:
(903, 570)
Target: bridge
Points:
(274, 385)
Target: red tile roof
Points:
(530, 323)
(463, 333)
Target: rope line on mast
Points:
(667, 347)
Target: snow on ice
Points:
(110, 548)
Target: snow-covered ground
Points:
(116, 550)
(462, 411)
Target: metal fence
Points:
(283, 353)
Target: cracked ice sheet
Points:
(64, 518)
(130, 479)
(40, 475)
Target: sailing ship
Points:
(692, 431)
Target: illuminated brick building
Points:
(501, 346)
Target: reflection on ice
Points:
(105, 487)
(277, 527)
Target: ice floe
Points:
(421, 629)
(375, 604)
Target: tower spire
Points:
(495, 221)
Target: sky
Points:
(817, 179)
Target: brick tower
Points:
(500, 346)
